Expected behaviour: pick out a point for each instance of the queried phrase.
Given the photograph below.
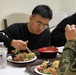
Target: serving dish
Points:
(48, 52)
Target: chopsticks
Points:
(28, 50)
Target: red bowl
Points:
(48, 52)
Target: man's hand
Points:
(70, 32)
(19, 44)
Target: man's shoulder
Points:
(19, 24)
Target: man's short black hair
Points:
(43, 10)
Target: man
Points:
(34, 34)
(67, 64)
(58, 34)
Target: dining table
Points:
(25, 69)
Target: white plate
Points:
(9, 58)
(40, 72)
(60, 49)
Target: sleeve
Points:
(73, 19)
(68, 56)
(58, 34)
(8, 35)
(71, 70)
(5, 39)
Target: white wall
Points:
(10, 6)
(68, 6)
(26, 6)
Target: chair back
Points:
(15, 18)
(57, 17)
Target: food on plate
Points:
(56, 63)
(22, 56)
(48, 68)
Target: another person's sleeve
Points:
(68, 56)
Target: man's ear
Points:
(31, 17)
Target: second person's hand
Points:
(70, 32)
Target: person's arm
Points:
(8, 34)
(69, 51)
(68, 56)
(58, 34)
(71, 70)
(4, 38)
(11, 37)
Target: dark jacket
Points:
(58, 34)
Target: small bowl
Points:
(48, 52)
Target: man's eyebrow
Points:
(42, 23)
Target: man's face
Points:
(38, 24)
